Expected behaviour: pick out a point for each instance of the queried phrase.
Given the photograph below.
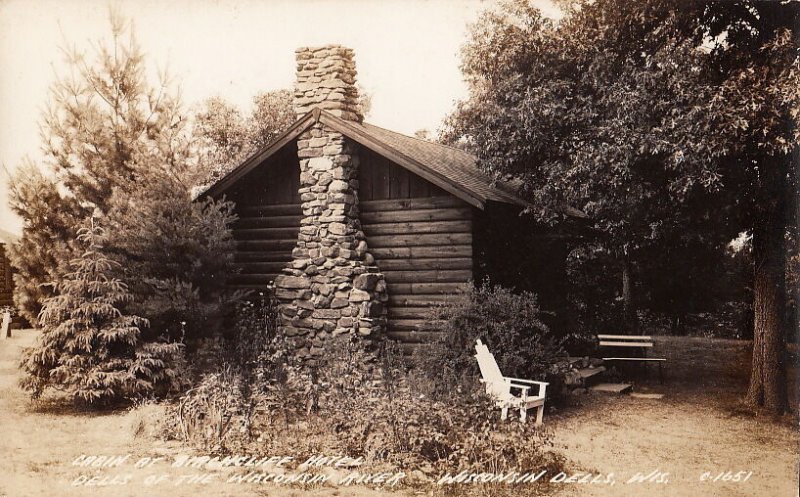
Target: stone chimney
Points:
(326, 79)
(331, 287)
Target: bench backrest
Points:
(496, 385)
(633, 338)
(625, 341)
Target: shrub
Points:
(510, 324)
(361, 401)
(88, 346)
(250, 374)
(175, 254)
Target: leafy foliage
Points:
(511, 326)
(359, 402)
(227, 138)
(655, 118)
(177, 255)
(88, 346)
(41, 255)
(120, 150)
(103, 118)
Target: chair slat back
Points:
(496, 385)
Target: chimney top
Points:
(326, 78)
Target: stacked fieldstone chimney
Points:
(326, 79)
(331, 286)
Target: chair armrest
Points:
(523, 390)
(531, 382)
(542, 384)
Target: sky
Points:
(407, 55)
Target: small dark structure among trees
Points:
(6, 280)
(431, 221)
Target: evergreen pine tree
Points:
(88, 346)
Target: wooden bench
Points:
(638, 343)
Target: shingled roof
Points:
(449, 168)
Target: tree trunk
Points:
(628, 305)
(768, 375)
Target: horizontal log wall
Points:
(423, 246)
(264, 242)
(268, 206)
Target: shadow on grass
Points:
(64, 406)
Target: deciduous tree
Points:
(653, 117)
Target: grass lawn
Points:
(695, 428)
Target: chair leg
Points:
(504, 413)
(523, 414)
(539, 415)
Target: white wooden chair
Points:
(499, 387)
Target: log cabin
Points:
(361, 229)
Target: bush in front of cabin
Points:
(360, 401)
(380, 412)
(508, 323)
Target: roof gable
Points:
(451, 169)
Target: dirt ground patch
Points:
(40, 441)
(695, 428)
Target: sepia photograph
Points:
(478, 248)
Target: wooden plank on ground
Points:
(624, 337)
(617, 388)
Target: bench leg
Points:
(523, 414)
(504, 413)
(539, 415)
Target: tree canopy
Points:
(656, 118)
(119, 151)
